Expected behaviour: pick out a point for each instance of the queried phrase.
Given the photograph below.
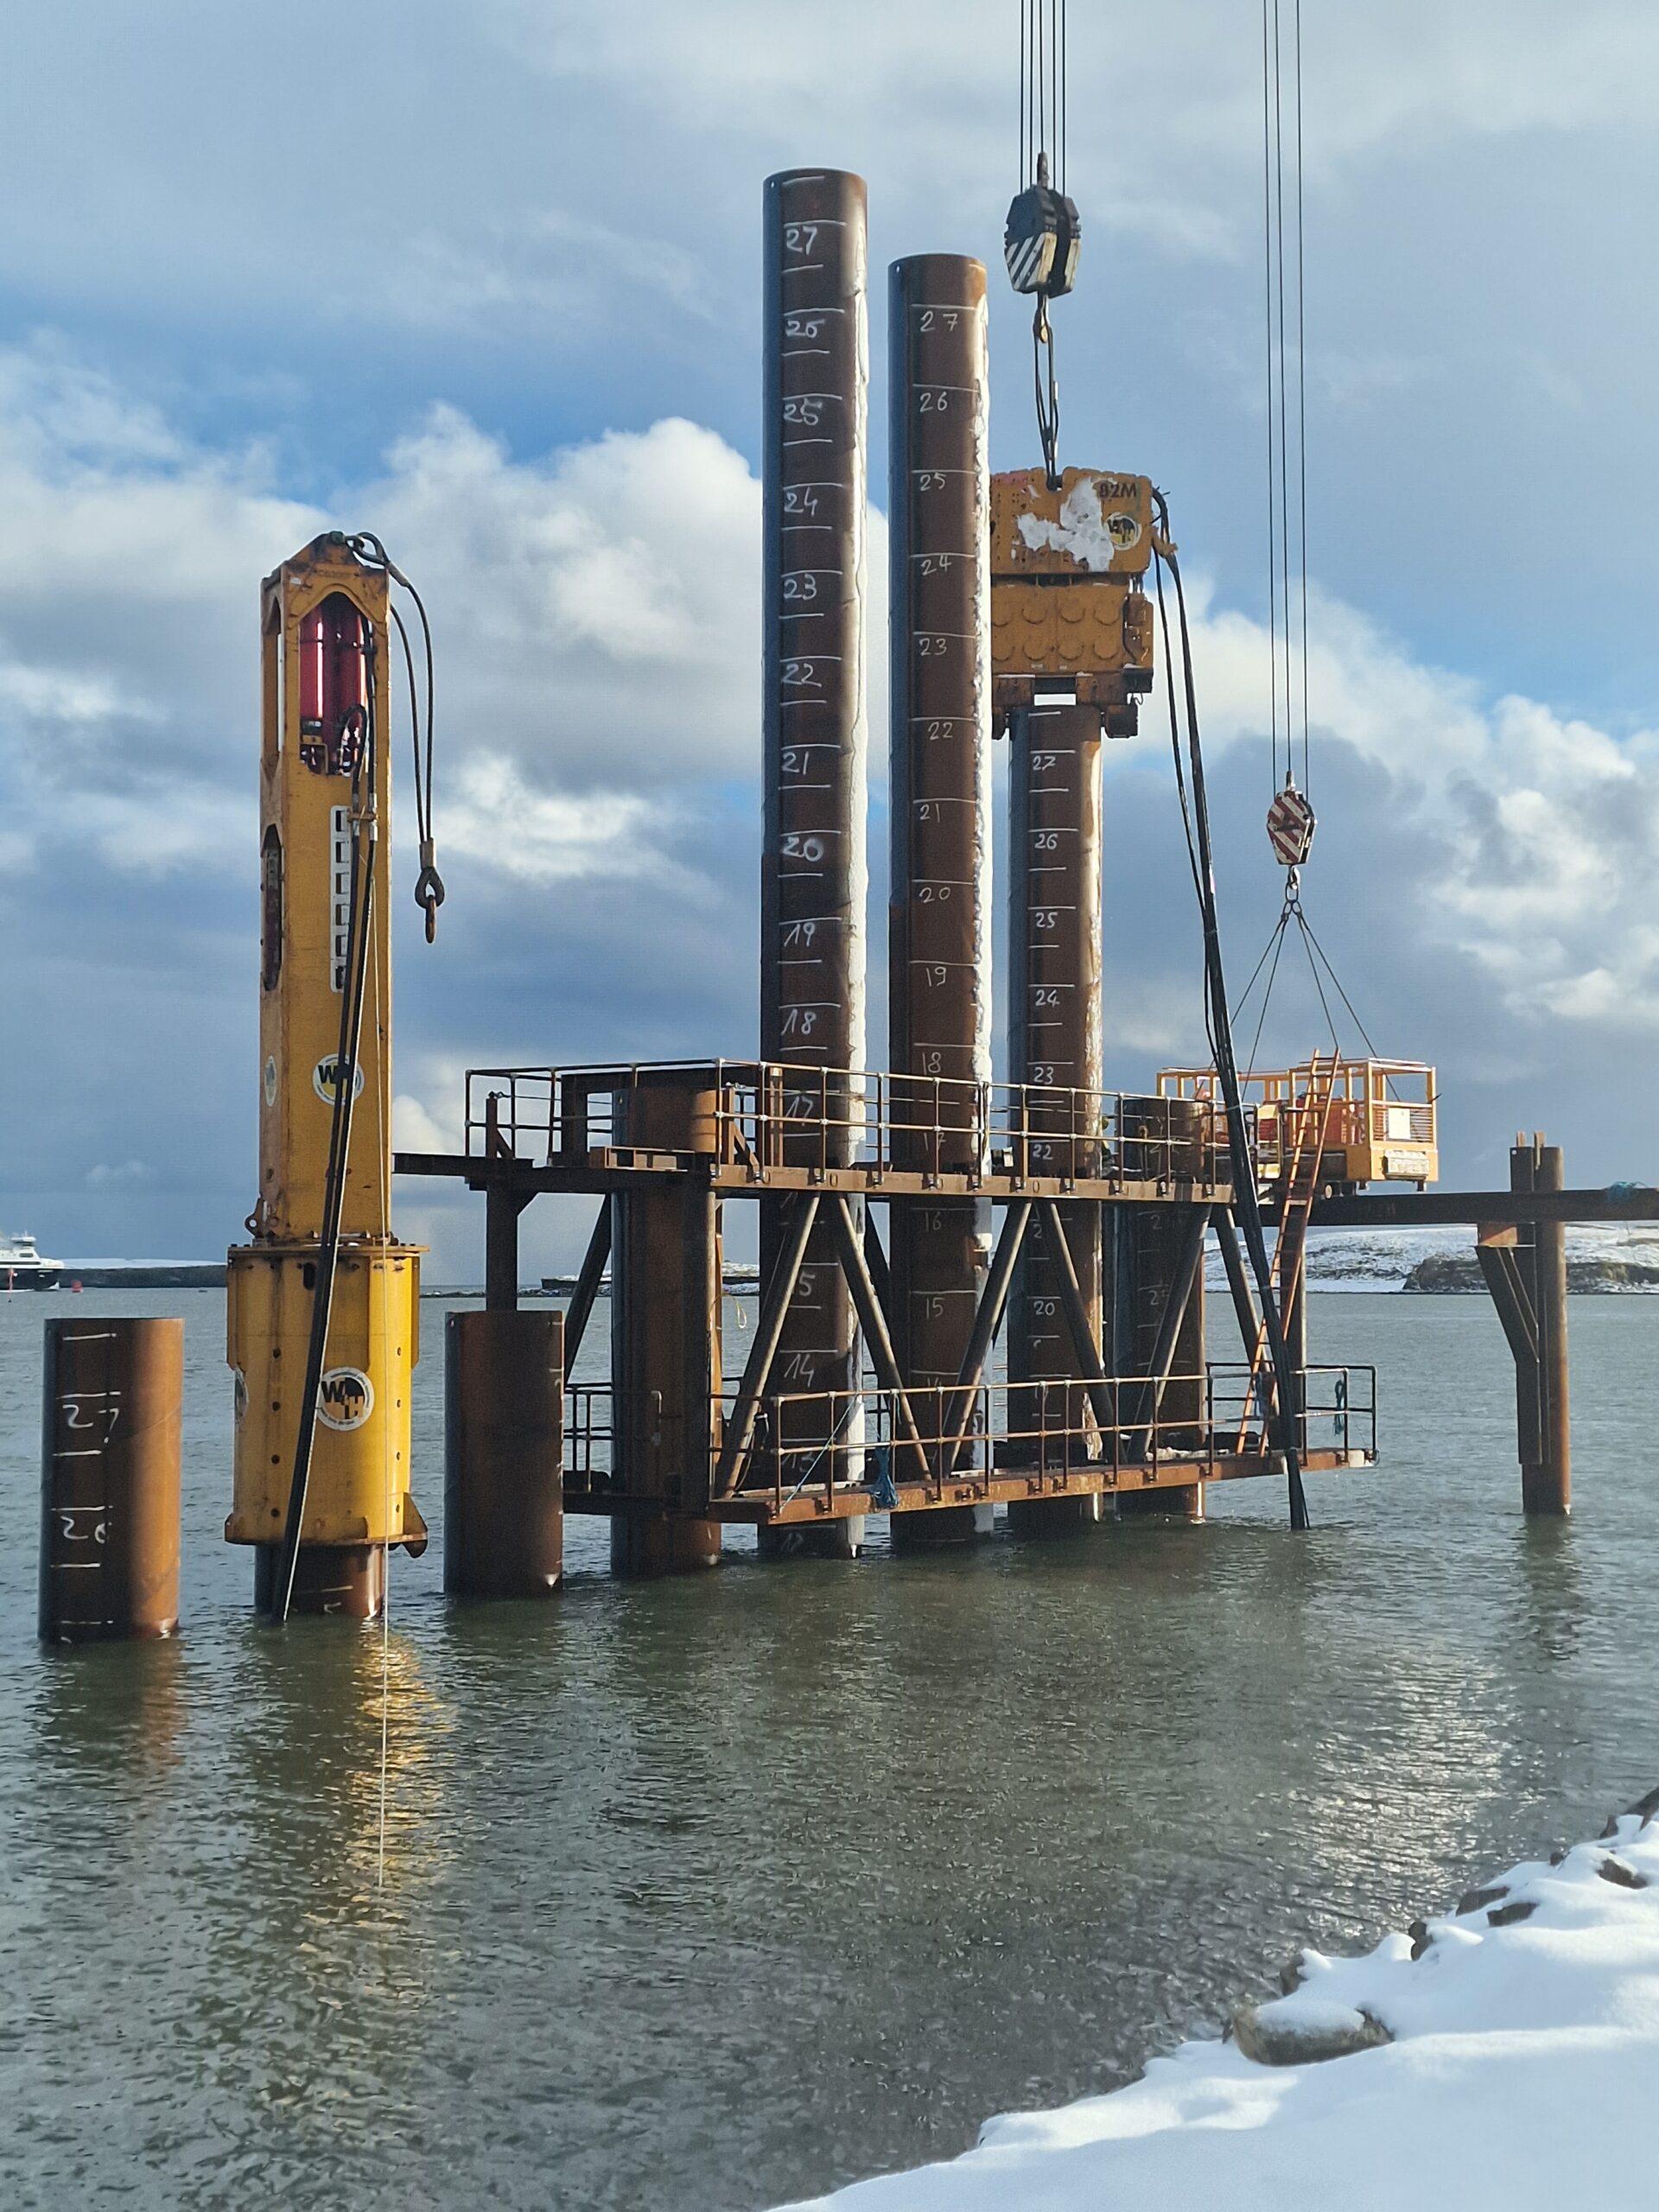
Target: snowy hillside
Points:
(1612, 1255)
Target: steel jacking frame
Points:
(928, 1451)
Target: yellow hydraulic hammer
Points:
(324, 946)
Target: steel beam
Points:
(588, 1280)
(874, 1321)
(987, 1319)
(1420, 1209)
(769, 1327)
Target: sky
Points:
(485, 281)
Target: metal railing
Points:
(954, 1451)
(1373, 1103)
(760, 1116)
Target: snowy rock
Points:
(1515, 2074)
(1625, 1877)
(1506, 1916)
(1476, 1900)
(1300, 2031)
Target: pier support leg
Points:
(502, 1207)
(665, 1350)
(1525, 1269)
(1546, 1487)
(110, 1480)
(504, 1451)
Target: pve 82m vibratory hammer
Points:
(324, 1300)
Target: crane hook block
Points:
(1290, 827)
(1042, 237)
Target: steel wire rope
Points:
(1247, 1205)
(383, 1185)
(1273, 523)
(1277, 945)
(1284, 429)
(1301, 386)
(1325, 1003)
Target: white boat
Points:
(22, 1267)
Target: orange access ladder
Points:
(1304, 1125)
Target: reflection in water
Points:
(716, 1892)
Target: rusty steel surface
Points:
(665, 1351)
(110, 1480)
(504, 1452)
(1054, 1010)
(1098, 523)
(1003, 1487)
(1547, 1483)
(347, 1580)
(939, 914)
(814, 867)
(1068, 612)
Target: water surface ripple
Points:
(712, 1893)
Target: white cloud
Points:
(416, 1127)
(122, 1175)
(595, 617)
(494, 817)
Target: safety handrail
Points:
(755, 1115)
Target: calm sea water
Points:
(713, 1893)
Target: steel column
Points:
(1054, 1025)
(813, 870)
(504, 1452)
(502, 1207)
(939, 915)
(110, 1480)
(1552, 1490)
(666, 1367)
(1529, 1374)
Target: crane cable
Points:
(429, 885)
(1287, 366)
(1247, 1205)
(1040, 245)
(1285, 266)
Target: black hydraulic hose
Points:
(359, 916)
(1247, 1205)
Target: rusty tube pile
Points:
(814, 874)
(939, 910)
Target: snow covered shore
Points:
(1620, 1256)
(1503, 2056)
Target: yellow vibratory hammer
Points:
(323, 1321)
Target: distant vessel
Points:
(22, 1267)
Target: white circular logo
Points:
(270, 1082)
(325, 1078)
(1124, 531)
(346, 1398)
